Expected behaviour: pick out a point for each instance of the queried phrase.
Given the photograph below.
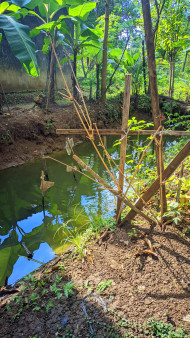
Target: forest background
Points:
(103, 40)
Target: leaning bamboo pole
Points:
(152, 190)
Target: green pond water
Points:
(26, 224)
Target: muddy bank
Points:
(28, 133)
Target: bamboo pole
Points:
(121, 132)
(185, 151)
(107, 186)
(123, 146)
(180, 181)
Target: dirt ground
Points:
(140, 287)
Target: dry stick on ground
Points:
(185, 151)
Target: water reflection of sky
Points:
(24, 266)
(31, 222)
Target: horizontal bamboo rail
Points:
(120, 132)
(152, 190)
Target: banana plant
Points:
(84, 37)
(18, 37)
(78, 12)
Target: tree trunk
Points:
(172, 75)
(75, 92)
(144, 66)
(50, 86)
(105, 42)
(184, 63)
(90, 94)
(149, 36)
(83, 68)
(97, 80)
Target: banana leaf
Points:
(21, 44)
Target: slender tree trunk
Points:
(172, 76)
(75, 92)
(97, 80)
(90, 94)
(105, 42)
(149, 36)
(184, 63)
(170, 79)
(83, 68)
(51, 74)
(144, 66)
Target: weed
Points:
(49, 305)
(89, 288)
(186, 232)
(8, 307)
(58, 278)
(72, 234)
(160, 329)
(173, 212)
(48, 124)
(31, 278)
(133, 233)
(56, 290)
(99, 224)
(41, 283)
(33, 297)
(44, 291)
(36, 308)
(68, 289)
(103, 285)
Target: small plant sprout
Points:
(68, 289)
(33, 297)
(36, 308)
(89, 288)
(58, 278)
(31, 278)
(133, 233)
(103, 285)
(56, 290)
(49, 305)
(174, 212)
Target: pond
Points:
(27, 227)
